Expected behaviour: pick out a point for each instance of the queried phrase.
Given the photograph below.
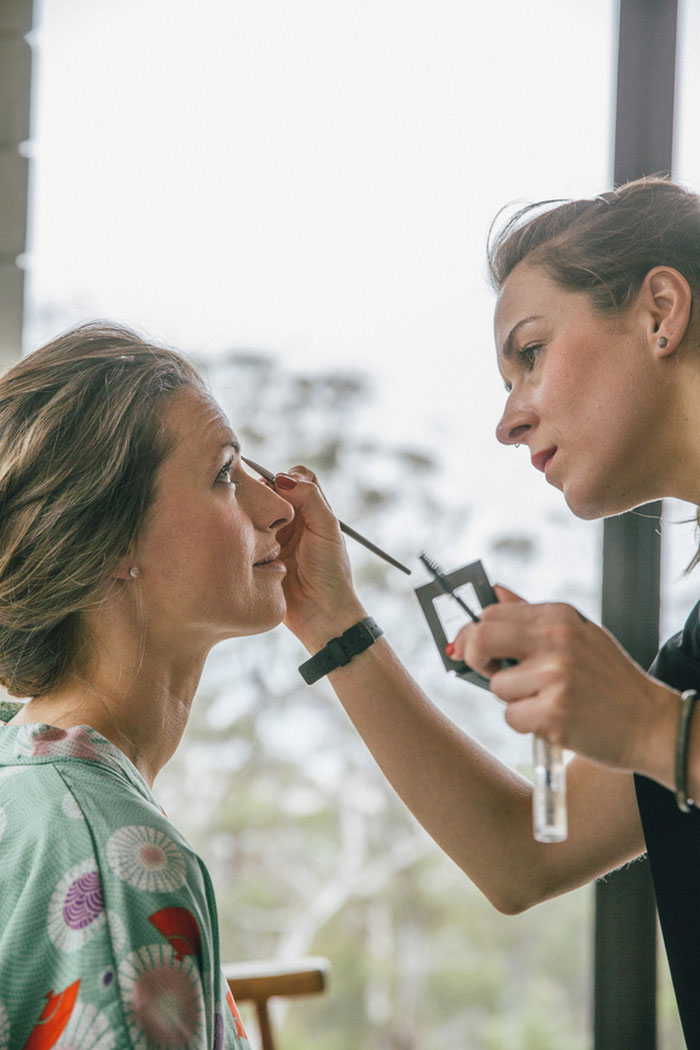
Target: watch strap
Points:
(340, 651)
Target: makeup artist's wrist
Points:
(316, 633)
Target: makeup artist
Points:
(598, 342)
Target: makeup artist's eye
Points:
(527, 355)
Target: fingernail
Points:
(284, 481)
(449, 648)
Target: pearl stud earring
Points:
(134, 571)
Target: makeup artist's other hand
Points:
(572, 683)
(321, 601)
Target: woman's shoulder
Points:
(67, 792)
(76, 753)
(101, 898)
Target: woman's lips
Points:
(271, 561)
(541, 460)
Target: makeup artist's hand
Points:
(572, 683)
(321, 601)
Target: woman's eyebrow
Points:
(230, 442)
(508, 351)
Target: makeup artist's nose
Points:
(515, 424)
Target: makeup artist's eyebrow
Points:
(508, 351)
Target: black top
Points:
(673, 843)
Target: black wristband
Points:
(340, 651)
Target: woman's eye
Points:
(225, 473)
(527, 355)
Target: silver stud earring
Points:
(517, 444)
(134, 571)
(662, 342)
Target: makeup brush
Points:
(269, 476)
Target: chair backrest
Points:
(257, 982)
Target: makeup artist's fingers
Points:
(505, 595)
(514, 630)
(602, 705)
(522, 681)
(300, 487)
(575, 684)
(540, 613)
(318, 585)
(314, 534)
(523, 627)
(485, 645)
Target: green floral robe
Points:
(108, 929)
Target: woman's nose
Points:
(515, 424)
(280, 514)
(270, 510)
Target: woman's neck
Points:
(673, 450)
(142, 711)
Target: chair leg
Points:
(268, 1042)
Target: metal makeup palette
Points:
(468, 581)
(549, 815)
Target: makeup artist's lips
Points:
(540, 460)
(271, 561)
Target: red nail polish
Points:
(449, 648)
(285, 482)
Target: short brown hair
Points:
(81, 439)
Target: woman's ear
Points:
(667, 300)
(126, 569)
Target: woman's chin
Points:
(263, 621)
(586, 513)
(269, 622)
(590, 505)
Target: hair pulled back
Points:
(81, 440)
(607, 245)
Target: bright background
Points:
(316, 181)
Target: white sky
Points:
(317, 178)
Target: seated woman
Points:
(131, 541)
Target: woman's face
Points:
(207, 554)
(582, 394)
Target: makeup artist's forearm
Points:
(476, 809)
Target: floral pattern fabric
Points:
(108, 929)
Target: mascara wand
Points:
(439, 575)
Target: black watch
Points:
(340, 651)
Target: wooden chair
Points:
(261, 981)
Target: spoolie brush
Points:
(439, 575)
